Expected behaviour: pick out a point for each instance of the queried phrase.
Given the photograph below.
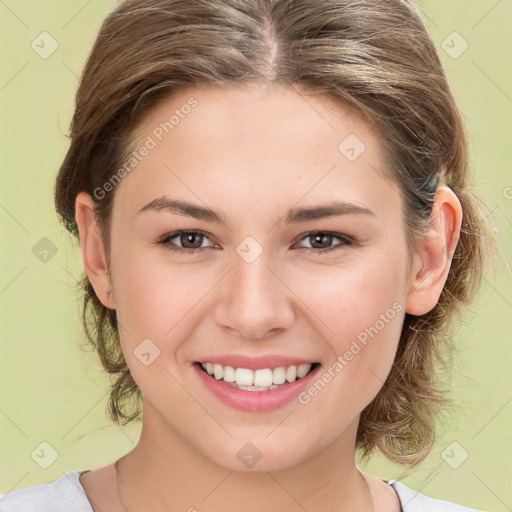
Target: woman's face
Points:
(275, 167)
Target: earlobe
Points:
(432, 261)
(92, 249)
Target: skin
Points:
(252, 152)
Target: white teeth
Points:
(302, 370)
(256, 380)
(229, 374)
(291, 373)
(244, 377)
(257, 388)
(218, 371)
(263, 377)
(279, 375)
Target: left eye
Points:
(324, 237)
(192, 241)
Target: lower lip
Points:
(254, 401)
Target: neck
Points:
(166, 473)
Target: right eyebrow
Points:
(184, 208)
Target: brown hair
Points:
(374, 56)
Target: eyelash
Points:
(166, 242)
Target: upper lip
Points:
(255, 363)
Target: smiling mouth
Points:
(263, 379)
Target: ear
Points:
(91, 247)
(433, 258)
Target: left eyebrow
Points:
(294, 215)
(333, 209)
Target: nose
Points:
(255, 303)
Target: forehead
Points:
(255, 143)
(249, 109)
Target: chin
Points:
(258, 457)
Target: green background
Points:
(54, 392)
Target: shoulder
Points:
(413, 501)
(61, 495)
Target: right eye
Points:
(186, 237)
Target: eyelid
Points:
(346, 240)
(341, 236)
(165, 240)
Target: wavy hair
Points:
(373, 56)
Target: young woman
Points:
(278, 229)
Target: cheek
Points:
(359, 308)
(351, 296)
(155, 308)
(160, 301)
(151, 295)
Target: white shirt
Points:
(66, 494)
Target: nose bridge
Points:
(257, 301)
